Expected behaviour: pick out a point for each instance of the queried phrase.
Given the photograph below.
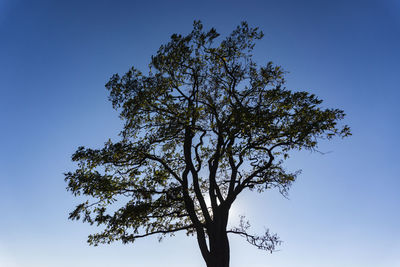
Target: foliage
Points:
(203, 125)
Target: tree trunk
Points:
(219, 243)
(219, 252)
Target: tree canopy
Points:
(203, 125)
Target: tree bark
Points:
(219, 254)
(219, 243)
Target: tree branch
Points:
(265, 242)
(163, 231)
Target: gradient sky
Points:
(56, 56)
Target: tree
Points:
(205, 124)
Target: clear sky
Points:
(56, 56)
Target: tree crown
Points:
(204, 124)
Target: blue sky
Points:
(56, 56)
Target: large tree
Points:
(203, 125)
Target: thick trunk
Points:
(219, 243)
(219, 252)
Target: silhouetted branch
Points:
(266, 242)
